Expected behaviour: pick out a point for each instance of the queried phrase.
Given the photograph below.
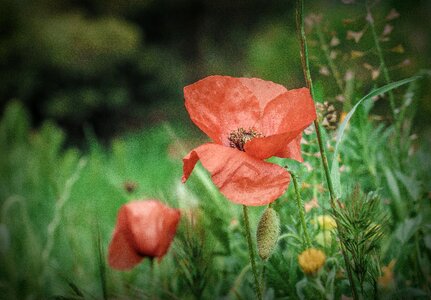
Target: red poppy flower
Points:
(249, 120)
(143, 229)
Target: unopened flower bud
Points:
(268, 231)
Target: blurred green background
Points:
(92, 116)
(113, 66)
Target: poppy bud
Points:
(268, 231)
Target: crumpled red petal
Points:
(283, 120)
(290, 112)
(265, 147)
(241, 178)
(122, 254)
(292, 150)
(219, 105)
(144, 228)
(264, 90)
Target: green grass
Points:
(76, 194)
(59, 205)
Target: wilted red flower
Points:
(143, 229)
(249, 120)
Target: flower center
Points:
(239, 137)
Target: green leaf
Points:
(411, 184)
(393, 185)
(300, 287)
(335, 172)
(427, 240)
(335, 176)
(5, 239)
(407, 229)
(409, 293)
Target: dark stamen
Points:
(239, 137)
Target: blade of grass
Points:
(55, 222)
(340, 133)
(251, 252)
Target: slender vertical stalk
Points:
(262, 277)
(153, 279)
(307, 75)
(309, 82)
(301, 210)
(101, 263)
(251, 252)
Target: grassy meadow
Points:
(59, 199)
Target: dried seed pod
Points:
(268, 231)
(327, 114)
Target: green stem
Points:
(319, 286)
(301, 210)
(382, 60)
(307, 75)
(262, 277)
(325, 164)
(309, 82)
(251, 251)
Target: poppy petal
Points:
(290, 112)
(286, 145)
(264, 90)
(122, 254)
(144, 228)
(292, 150)
(283, 120)
(241, 178)
(265, 147)
(219, 105)
(153, 226)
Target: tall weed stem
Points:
(251, 252)
(309, 82)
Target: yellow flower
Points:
(326, 222)
(311, 261)
(387, 279)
